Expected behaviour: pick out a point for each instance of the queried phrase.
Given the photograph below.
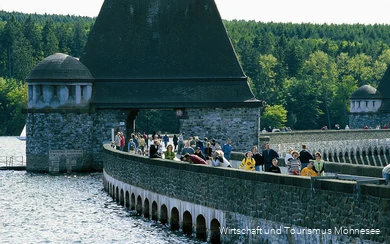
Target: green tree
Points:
(50, 41)
(303, 105)
(321, 70)
(274, 116)
(13, 98)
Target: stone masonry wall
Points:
(70, 131)
(57, 131)
(241, 125)
(359, 120)
(253, 199)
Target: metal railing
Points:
(12, 161)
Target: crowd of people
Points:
(209, 152)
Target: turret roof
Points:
(59, 66)
(366, 92)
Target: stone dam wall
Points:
(258, 207)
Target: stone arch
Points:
(132, 203)
(163, 214)
(117, 194)
(187, 223)
(130, 123)
(154, 211)
(174, 221)
(146, 208)
(127, 199)
(376, 151)
(113, 191)
(122, 198)
(138, 207)
(201, 231)
(215, 234)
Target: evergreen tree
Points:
(50, 41)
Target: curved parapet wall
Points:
(251, 202)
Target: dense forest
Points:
(304, 72)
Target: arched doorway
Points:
(132, 203)
(146, 208)
(121, 198)
(117, 194)
(215, 234)
(154, 211)
(201, 231)
(174, 219)
(127, 199)
(164, 214)
(130, 123)
(138, 208)
(187, 223)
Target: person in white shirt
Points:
(386, 173)
(219, 160)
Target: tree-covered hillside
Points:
(310, 69)
(305, 72)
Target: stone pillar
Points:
(78, 94)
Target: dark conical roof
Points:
(384, 89)
(384, 84)
(59, 66)
(160, 38)
(163, 53)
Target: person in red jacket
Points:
(193, 159)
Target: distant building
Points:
(369, 106)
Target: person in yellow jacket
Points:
(248, 162)
(308, 171)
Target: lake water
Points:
(41, 208)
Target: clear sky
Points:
(295, 11)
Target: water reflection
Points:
(38, 208)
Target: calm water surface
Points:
(74, 208)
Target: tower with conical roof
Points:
(371, 107)
(149, 54)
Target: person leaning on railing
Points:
(319, 164)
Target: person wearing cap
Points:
(227, 149)
(198, 152)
